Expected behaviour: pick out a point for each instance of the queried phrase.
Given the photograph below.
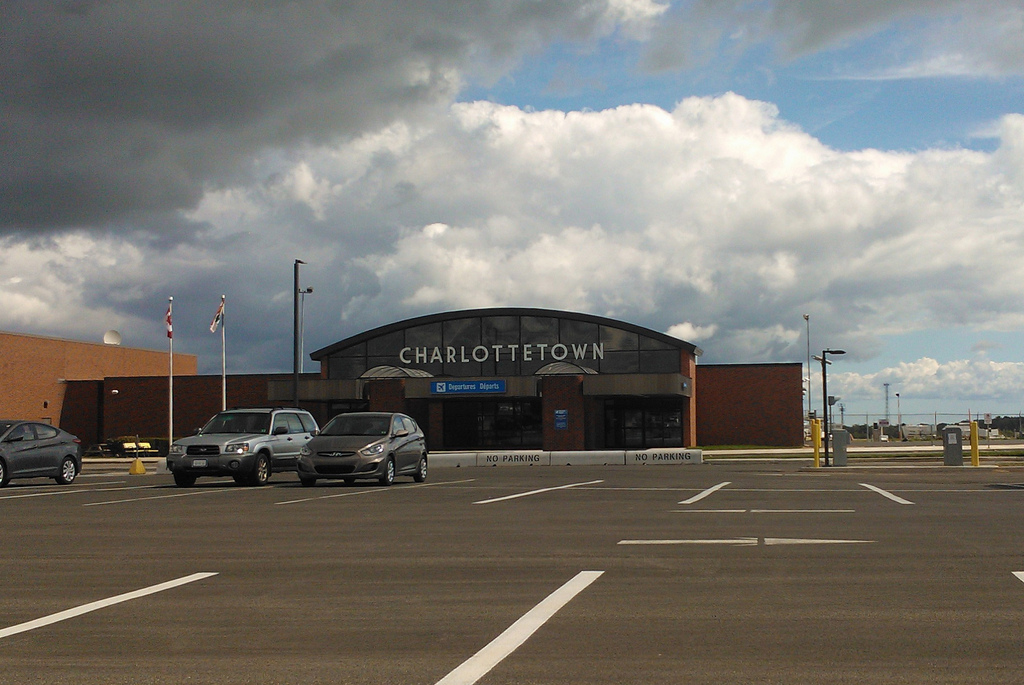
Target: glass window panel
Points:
(428, 335)
(499, 330)
(664, 361)
(346, 367)
(459, 332)
(539, 329)
(578, 332)
(620, 362)
(652, 344)
(353, 351)
(618, 339)
(386, 345)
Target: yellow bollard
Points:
(816, 439)
(137, 468)
(975, 459)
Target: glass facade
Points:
(506, 345)
(494, 424)
(635, 423)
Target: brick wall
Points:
(34, 371)
(749, 404)
(563, 392)
(387, 394)
(140, 405)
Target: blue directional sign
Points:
(467, 387)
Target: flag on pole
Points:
(170, 328)
(218, 318)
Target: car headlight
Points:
(237, 448)
(177, 449)
(372, 450)
(305, 451)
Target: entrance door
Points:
(644, 422)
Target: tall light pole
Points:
(807, 320)
(302, 326)
(295, 334)
(899, 418)
(824, 391)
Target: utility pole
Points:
(295, 335)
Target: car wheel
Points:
(307, 482)
(260, 470)
(184, 480)
(68, 471)
(421, 471)
(5, 478)
(389, 473)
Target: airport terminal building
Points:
(520, 378)
(487, 379)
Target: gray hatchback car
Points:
(376, 445)
(38, 450)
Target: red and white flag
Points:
(218, 318)
(170, 328)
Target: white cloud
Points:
(692, 333)
(717, 214)
(927, 379)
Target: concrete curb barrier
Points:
(593, 458)
(514, 458)
(663, 456)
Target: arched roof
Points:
(503, 311)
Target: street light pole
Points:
(302, 326)
(899, 418)
(807, 320)
(295, 334)
(824, 391)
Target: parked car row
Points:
(250, 445)
(38, 450)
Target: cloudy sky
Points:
(714, 169)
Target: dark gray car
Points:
(38, 450)
(376, 445)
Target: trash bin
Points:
(952, 446)
(840, 441)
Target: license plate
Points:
(198, 462)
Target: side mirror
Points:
(281, 430)
(401, 433)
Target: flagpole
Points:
(170, 373)
(223, 357)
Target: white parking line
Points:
(883, 493)
(207, 491)
(699, 496)
(101, 604)
(746, 542)
(1020, 575)
(74, 491)
(763, 511)
(537, 492)
(366, 492)
(519, 632)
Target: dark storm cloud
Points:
(114, 111)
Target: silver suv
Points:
(246, 444)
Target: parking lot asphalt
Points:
(725, 572)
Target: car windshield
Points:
(238, 422)
(4, 425)
(348, 424)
